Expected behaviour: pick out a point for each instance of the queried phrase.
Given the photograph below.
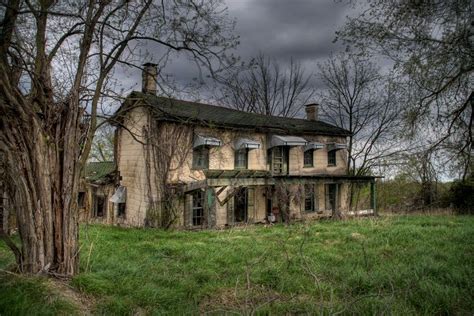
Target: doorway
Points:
(331, 193)
(240, 206)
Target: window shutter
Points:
(251, 204)
(210, 208)
(188, 208)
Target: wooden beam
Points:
(195, 185)
(239, 182)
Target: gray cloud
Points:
(281, 29)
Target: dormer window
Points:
(241, 158)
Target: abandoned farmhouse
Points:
(191, 165)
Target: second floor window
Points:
(278, 160)
(201, 157)
(308, 158)
(332, 158)
(241, 159)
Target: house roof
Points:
(99, 171)
(186, 111)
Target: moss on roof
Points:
(179, 110)
(98, 171)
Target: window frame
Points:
(198, 212)
(306, 155)
(332, 158)
(121, 210)
(309, 195)
(239, 153)
(98, 198)
(285, 160)
(201, 153)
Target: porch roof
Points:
(219, 178)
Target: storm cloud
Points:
(281, 29)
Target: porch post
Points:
(373, 197)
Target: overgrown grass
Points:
(404, 265)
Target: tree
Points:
(262, 87)
(102, 148)
(431, 45)
(354, 100)
(56, 62)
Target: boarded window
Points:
(309, 198)
(308, 158)
(332, 158)
(279, 160)
(241, 158)
(198, 208)
(201, 157)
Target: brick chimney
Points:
(149, 77)
(311, 111)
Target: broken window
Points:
(308, 158)
(198, 208)
(309, 205)
(81, 199)
(332, 158)
(99, 209)
(279, 159)
(241, 158)
(201, 157)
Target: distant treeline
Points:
(403, 195)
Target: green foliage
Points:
(403, 265)
(22, 295)
(462, 196)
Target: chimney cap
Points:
(311, 104)
(149, 65)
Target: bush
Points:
(462, 196)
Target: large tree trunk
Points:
(45, 192)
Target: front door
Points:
(240, 206)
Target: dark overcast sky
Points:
(281, 29)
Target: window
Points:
(81, 199)
(121, 209)
(331, 158)
(308, 158)
(309, 198)
(201, 157)
(198, 208)
(278, 157)
(99, 210)
(241, 159)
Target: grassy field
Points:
(403, 265)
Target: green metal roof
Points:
(98, 171)
(193, 112)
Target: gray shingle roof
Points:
(179, 110)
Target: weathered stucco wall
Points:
(131, 165)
